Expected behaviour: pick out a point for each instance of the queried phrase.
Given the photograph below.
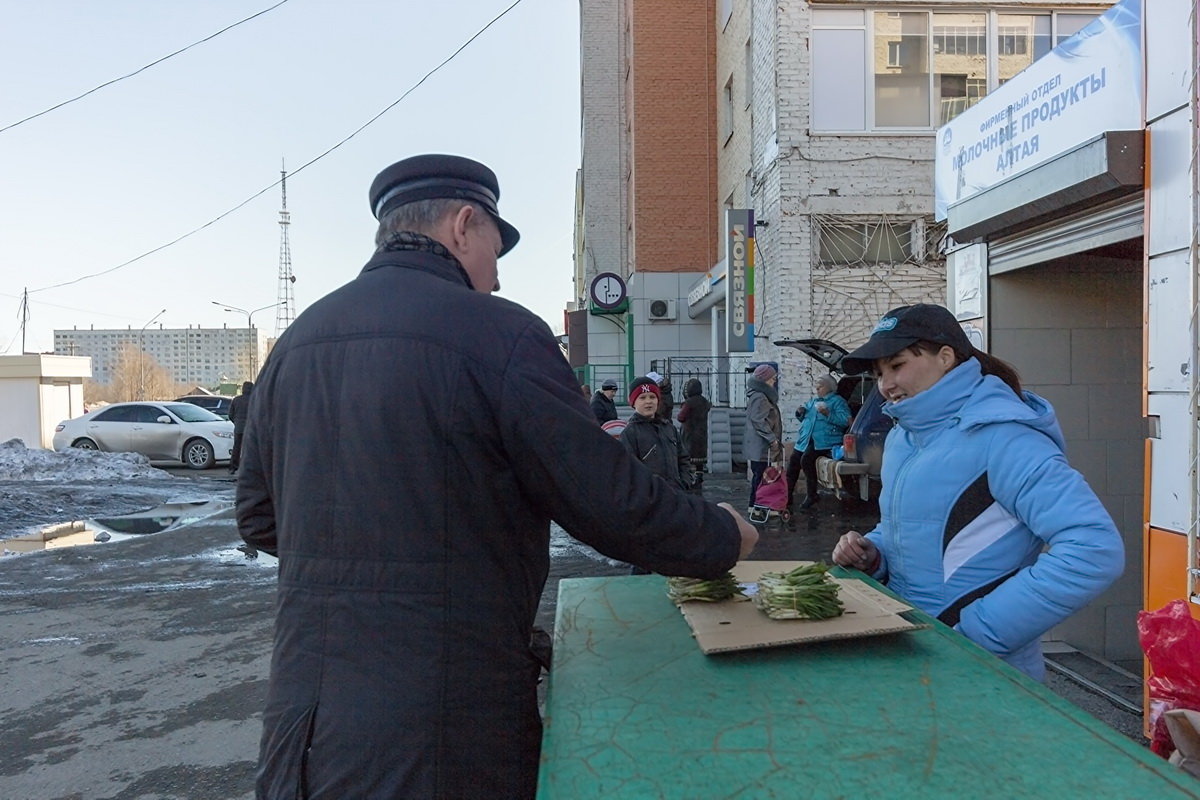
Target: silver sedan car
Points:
(159, 431)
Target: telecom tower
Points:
(285, 309)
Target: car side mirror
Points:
(164, 419)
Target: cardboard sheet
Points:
(740, 625)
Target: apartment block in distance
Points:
(200, 356)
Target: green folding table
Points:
(635, 710)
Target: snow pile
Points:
(19, 463)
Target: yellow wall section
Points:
(1166, 569)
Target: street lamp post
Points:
(142, 355)
(250, 331)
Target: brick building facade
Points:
(819, 116)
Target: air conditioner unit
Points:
(661, 309)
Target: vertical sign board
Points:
(1092, 82)
(739, 280)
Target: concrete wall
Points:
(1073, 329)
(657, 339)
(602, 194)
(734, 150)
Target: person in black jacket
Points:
(239, 408)
(410, 439)
(666, 402)
(653, 440)
(693, 420)
(602, 402)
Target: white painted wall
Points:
(37, 392)
(1171, 288)
(19, 419)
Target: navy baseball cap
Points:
(903, 327)
(434, 176)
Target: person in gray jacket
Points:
(762, 442)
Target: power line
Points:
(141, 69)
(73, 308)
(304, 166)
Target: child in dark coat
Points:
(653, 440)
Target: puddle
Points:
(168, 516)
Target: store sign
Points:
(1089, 84)
(739, 280)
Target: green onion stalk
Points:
(685, 590)
(807, 592)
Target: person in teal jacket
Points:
(984, 524)
(823, 420)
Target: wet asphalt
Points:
(137, 669)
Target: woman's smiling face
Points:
(907, 373)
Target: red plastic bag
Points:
(772, 490)
(1170, 638)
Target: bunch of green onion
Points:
(807, 592)
(683, 590)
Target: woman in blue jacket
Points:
(823, 420)
(984, 524)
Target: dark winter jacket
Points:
(604, 408)
(409, 442)
(655, 443)
(239, 407)
(693, 417)
(666, 403)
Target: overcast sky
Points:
(139, 163)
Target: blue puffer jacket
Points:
(975, 484)
(825, 431)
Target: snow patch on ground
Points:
(20, 463)
(563, 546)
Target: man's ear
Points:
(459, 223)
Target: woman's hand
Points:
(857, 551)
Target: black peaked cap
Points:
(435, 176)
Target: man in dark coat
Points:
(239, 409)
(410, 440)
(602, 402)
(693, 418)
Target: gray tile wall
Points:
(1073, 329)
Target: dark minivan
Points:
(862, 445)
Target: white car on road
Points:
(159, 431)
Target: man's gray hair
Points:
(419, 217)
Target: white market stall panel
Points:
(1170, 484)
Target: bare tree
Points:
(135, 376)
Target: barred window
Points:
(849, 241)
